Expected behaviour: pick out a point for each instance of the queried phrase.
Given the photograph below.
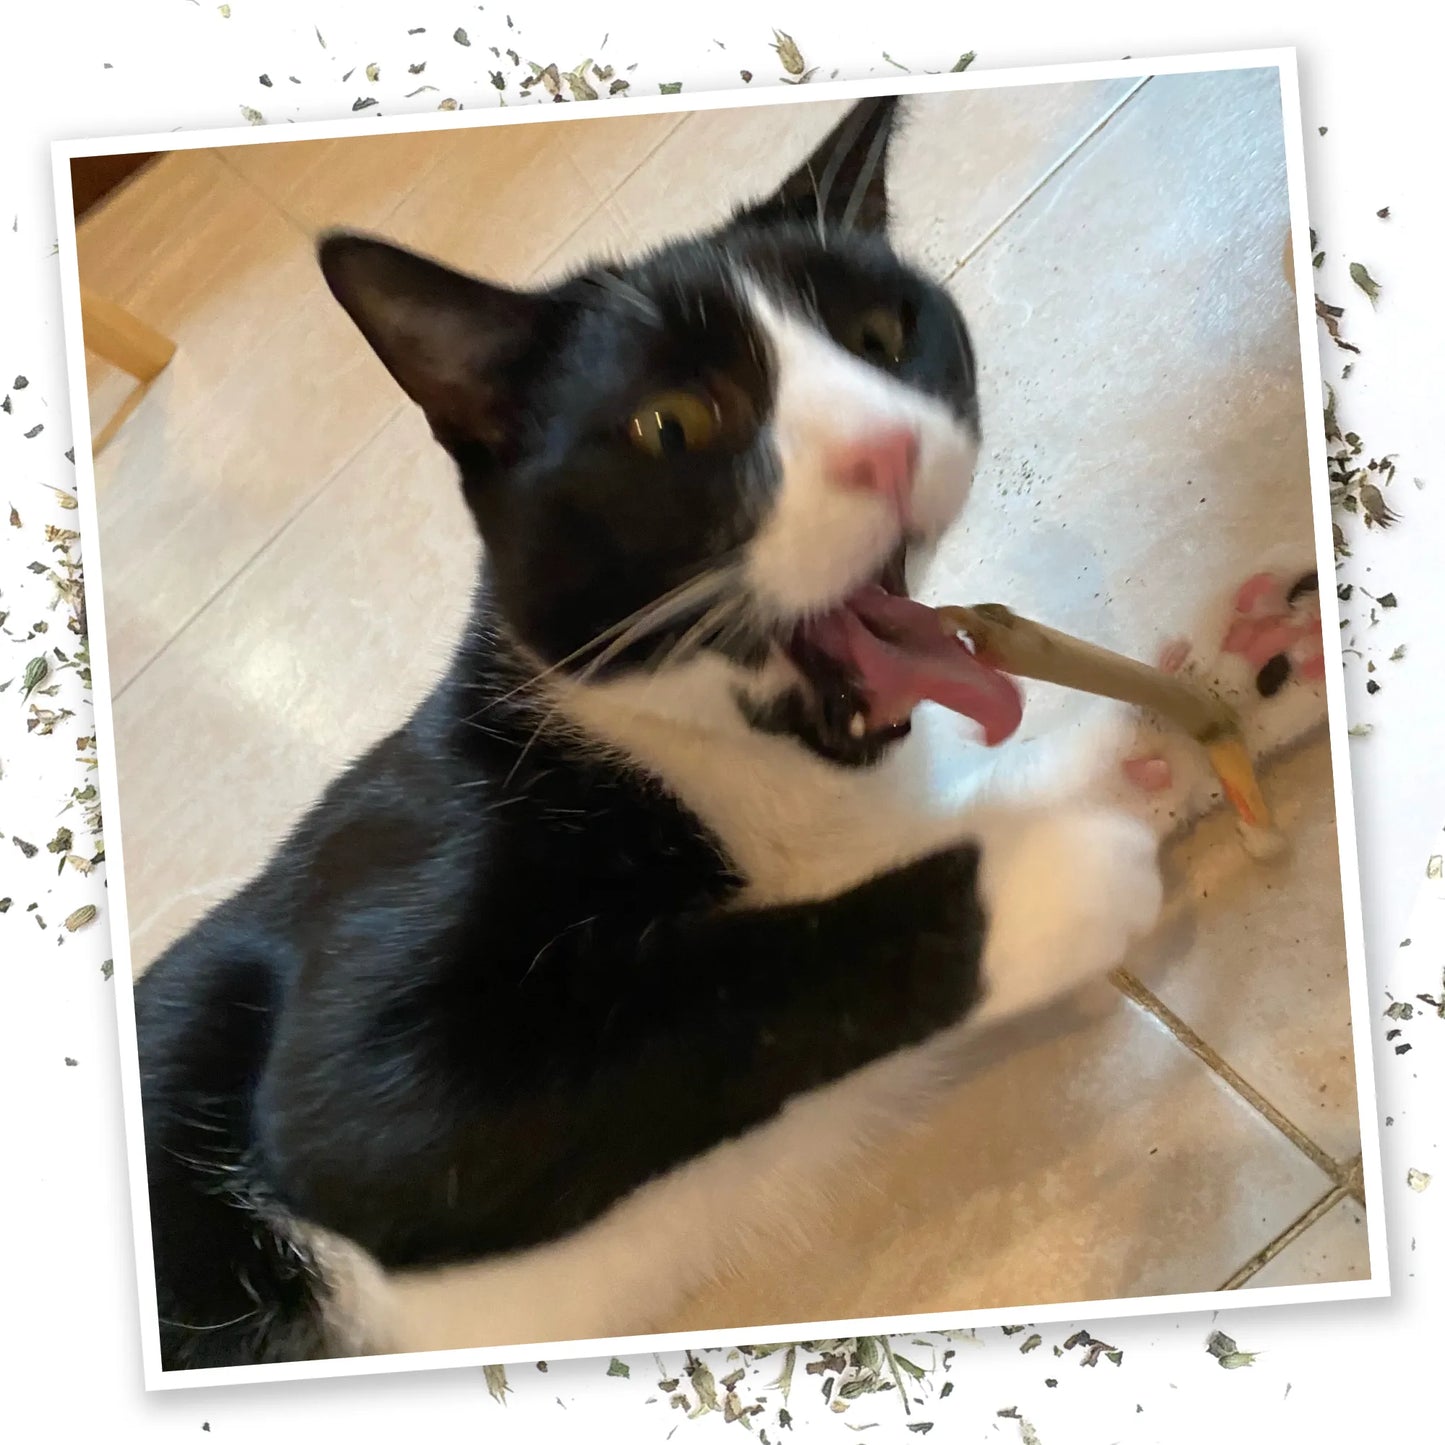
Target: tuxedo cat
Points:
(649, 918)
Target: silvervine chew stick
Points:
(1016, 645)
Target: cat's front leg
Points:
(1067, 892)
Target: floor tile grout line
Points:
(1043, 181)
(1286, 1237)
(1213, 1060)
(250, 562)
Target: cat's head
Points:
(693, 471)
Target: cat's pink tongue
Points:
(899, 655)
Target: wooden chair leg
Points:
(117, 337)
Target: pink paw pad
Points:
(1267, 625)
(1174, 654)
(1151, 774)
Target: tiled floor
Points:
(286, 563)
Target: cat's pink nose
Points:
(883, 463)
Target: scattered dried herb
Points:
(265, 80)
(36, 671)
(86, 913)
(107, 969)
(1229, 1355)
(1365, 282)
(417, 68)
(619, 1368)
(747, 76)
(1383, 213)
(373, 72)
(788, 52)
(496, 1378)
(252, 115)
(670, 87)
(1418, 1180)
(460, 36)
(963, 62)
(364, 102)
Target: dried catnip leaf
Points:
(578, 83)
(86, 913)
(619, 1369)
(496, 1378)
(1377, 512)
(1418, 1180)
(1365, 281)
(373, 72)
(14, 517)
(747, 76)
(706, 1387)
(253, 115)
(963, 62)
(788, 53)
(671, 87)
(36, 671)
(460, 36)
(1434, 866)
(265, 80)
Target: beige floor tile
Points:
(681, 186)
(297, 667)
(1139, 372)
(135, 231)
(967, 160)
(222, 451)
(499, 199)
(1059, 1171)
(1257, 968)
(1335, 1247)
(356, 181)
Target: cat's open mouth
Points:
(876, 655)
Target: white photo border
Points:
(1284, 61)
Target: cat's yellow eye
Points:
(675, 422)
(878, 335)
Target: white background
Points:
(1369, 73)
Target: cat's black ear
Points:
(843, 184)
(450, 340)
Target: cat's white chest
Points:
(796, 827)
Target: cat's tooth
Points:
(857, 726)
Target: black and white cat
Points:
(650, 917)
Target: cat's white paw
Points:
(1258, 645)
(1066, 893)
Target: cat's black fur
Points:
(491, 983)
